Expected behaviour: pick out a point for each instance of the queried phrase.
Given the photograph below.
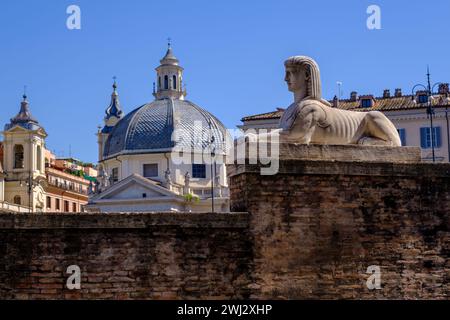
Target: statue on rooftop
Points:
(311, 119)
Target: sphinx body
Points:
(310, 119)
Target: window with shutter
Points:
(426, 139)
(423, 138)
(437, 137)
(402, 134)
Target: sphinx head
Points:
(303, 78)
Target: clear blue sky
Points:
(232, 51)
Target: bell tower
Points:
(24, 160)
(113, 115)
(169, 77)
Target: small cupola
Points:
(169, 77)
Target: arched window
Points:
(174, 82)
(166, 83)
(159, 83)
(18, 157)
(39, 158)
(17, 200)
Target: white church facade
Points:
(167, 155)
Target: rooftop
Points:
(383, 103)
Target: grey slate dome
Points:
(149, 129)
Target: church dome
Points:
(149, 129)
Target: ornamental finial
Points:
(115, 83)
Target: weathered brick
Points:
(318, 225)
(136, 256)
(311, 231)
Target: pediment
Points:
(20, 129)
(17, 128)
(135, 187)
(133, 190)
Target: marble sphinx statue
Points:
(312, 120)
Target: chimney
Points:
(354, 96)
(398, 92)
(386, 93)
(443, 88)
(335, 102)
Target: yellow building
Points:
(23, 160)
(68, 185)
(30, 178)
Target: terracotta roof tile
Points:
(380, 104)
(262, 116)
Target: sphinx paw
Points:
(369, 141)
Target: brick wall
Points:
(318, 226)
(139, 256)
(311, 231)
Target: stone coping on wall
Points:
(345, 160)
(350, 152)
(29, 221)
(308, 167)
